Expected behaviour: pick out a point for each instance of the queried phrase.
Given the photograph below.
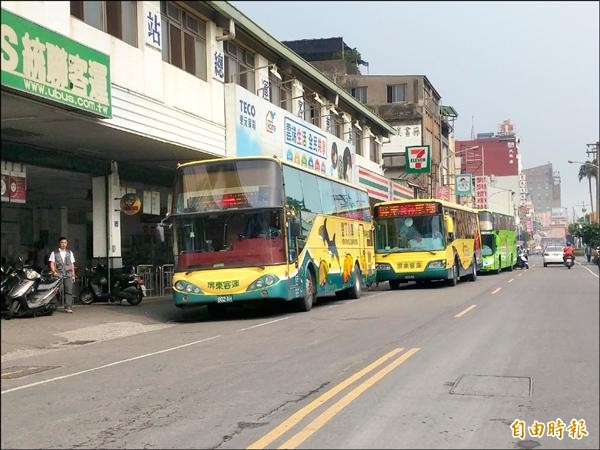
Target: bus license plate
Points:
(224, 299)
(409, 277)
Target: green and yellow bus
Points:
(498, 241)
(254, 228)
(426, 239)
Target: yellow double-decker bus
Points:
(426, 239)
(254, 228)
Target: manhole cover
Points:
(493, 386)
(21, 371)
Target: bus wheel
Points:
(454, 280)
(394, 284)
(356, 289)
(306, 302)
(473, 276)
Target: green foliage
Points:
(590, 232)
(352, 56)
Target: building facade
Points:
(494, 162)
(101, 100)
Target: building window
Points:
(184, 42)
(374, 150)
(117, 18)
(280, 93)
(359, 93)
(312, 110)
(358, 137)
(239, 65)
(337, 125)
(396, 93)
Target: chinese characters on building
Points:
(47, 64)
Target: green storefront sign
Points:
(46, 64)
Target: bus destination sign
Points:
(407, 210)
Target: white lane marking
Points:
(511, 280)
(264, 323)
(589, 270)
(62, 377)
(520, 275)
(460, 314)
(496, 290)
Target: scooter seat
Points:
(47, 285)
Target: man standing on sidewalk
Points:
(62, 263)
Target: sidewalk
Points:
(22, 337)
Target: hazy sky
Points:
(535, 63)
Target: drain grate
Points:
(10, 373)
(493, 386)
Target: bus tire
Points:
(356, 290)
(454, 280)
(306, 303)
(394, 284)
(473, 275)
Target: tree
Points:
(589, 171)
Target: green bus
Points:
(498, 241)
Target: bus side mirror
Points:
(160, 227)
(295, 227)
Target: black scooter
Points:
(31, 293)
(125, 285)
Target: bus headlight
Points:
(438, 264)
(185, 286)
(383, 266)
(262, 282)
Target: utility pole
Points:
(593, 151)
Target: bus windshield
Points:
(488, 244)
(227, 185)
(229, 239)
(409, 234)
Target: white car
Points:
(553, 254)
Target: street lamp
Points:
(587, 163)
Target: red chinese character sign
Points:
(481, 193)
(418, 159)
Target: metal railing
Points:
(157, 279)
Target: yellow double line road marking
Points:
(328, 414)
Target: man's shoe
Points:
(68, 310)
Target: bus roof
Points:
(493, 212)
(427, 200)
(275, 159)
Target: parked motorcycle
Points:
(125, 285)
(32, 293)
(8, 278)
(522, 261)
(569, 261)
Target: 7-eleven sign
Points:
(418, 159)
